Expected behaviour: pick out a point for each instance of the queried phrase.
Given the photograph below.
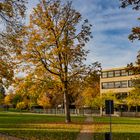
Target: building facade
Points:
(117, 81)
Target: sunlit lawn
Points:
(39, 126)
(46, 127)
(123, 128)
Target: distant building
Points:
(118, 81)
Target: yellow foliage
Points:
(44, 101)
(21, 105)
(7, 100)
(89, 94)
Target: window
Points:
(130, 83)
(110, 74)
(117, 73)
(130, 72)
(118, 95)
(104, 74)
(121, 95)
(123, 84)
(117, 84)
(124, 95)
(111, 85)
(124, 73)
(104, 86)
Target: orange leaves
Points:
(44, 101)
(136, 30)
(8, 99)
(89, 94)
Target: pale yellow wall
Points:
(112, 79)
(116, 90)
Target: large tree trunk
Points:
(66, 103)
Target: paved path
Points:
(86, 132)
(6, 137)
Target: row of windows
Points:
(117, 84)
(121, 95)
(116, 73)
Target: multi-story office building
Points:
(116, 80)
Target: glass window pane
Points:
(118, 95)
(130, 83)
(110, 74)
(111, 85)
(117, 73)
(117, 84)
(124, 73)
(124, 84)
(104, 86)
(130, 72)
(104, 74)
(124, 95)
(121, 95)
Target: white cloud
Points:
(111, 26)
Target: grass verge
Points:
(123, 128)
(39, 126)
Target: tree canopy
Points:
(54, 42)
(135, 4)
(12, 13)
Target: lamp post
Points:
(109, 105)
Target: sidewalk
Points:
(6, 137)
(86, 132)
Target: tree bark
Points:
(66, 103)
(136, 108)
(101, 111)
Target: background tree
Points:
(21, 105)
(35, 85)
(133, 99)
(110, 95)
(12, 13)
(2, 94)
(9, 98)
(79, 85)
(44, 101)
(53, 44)
(135, 68)
(135, 4)
(92, 85)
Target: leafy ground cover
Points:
(123, 128)
(39, 126)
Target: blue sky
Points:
(111, 27)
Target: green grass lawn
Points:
(123, 128)
(39, 126)
(47, 127)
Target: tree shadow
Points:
(118, 136)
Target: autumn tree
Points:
(12, 13)
(91, 89)
(2, 93)
(44, 101)
(35, 86)
(134, 68)
(135, 4)
(54, 42)
(21, 105)
(133, 99)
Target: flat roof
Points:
(117, 68)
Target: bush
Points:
(21, 105)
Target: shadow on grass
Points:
(40, 134)
(118, 136)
